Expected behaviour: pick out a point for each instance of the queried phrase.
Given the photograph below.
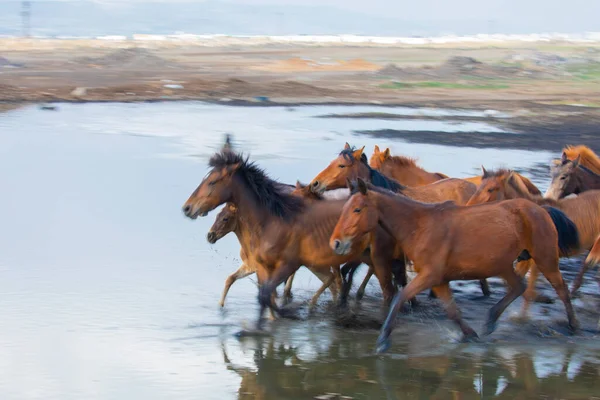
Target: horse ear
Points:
(362, 186)
(510, 177)
(563, 157)
(350, 185)
(386, 154)
(232, 168)
(232, 207)
(346, 146)
(358, 153)
(298, 185)
(484, 173)
(376, 150)
(227, 146)
(576, 161)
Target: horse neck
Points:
(399, 215)
(251, 214)
(587, 178)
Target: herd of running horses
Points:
(390, 214)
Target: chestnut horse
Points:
(352, 164)
(227, 221)
(570, 177)
(448, 242)
(403, 169)
(583, 211)
(531, 188)
(284, 231)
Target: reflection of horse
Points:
(403, 169)
(583, 210)
(278, 370)
(571, 177)
(447, 242)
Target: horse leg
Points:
(516, 287)
(287, 291)
(382, 267)
(347, 272)
(421, 282)
(361, 290)
(530, 294)
(319, 292)
(444, 293)
(585, 266)
(336, 283)
(552, 273)
(279, 275)
(243, 271)
(485, 287)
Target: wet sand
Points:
(109, 292)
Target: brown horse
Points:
(531, 188)
(227, 221)
(352, 164)
(284, 231)
(570, 177)
(583, 211)
(403, 169)
(447, 242)
(587, 157)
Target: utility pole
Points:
(26, 18)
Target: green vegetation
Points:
(443, 85)
(585, 72)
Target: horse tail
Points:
(568, 235)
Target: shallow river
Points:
(108, 292)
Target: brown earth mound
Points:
(296, 64)
(127, 58)
(459, 68)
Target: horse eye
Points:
(225, 219)
(212, 183)
(491, 190)
(341, 166)
(357, 210)
(562, 178)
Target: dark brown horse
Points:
(571, 177)
(403, 169)
(447, 242)
(583, 211)
(284, 231)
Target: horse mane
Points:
(272, 195)
(376, 177)
(496, 173)
(404, 161)
(391, 193)
(588, 158)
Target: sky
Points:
(433, 16)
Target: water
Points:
(108, 292)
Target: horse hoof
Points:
(490, 327)
(540, 298)
(359, 296)
(574, 326)
(471, 337)
(382, 346)
(251, 333)
(287, 314)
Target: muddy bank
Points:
(541, 132)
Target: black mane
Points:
(376, 177)
(273, 195)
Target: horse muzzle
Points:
(341, 247)
(211, 237)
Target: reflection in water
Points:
(278, 371)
